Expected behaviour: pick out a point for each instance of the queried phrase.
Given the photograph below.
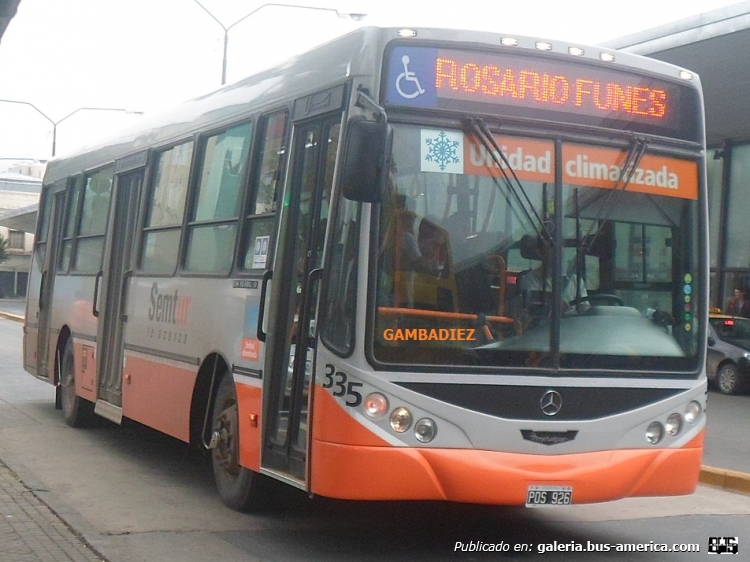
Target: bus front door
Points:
(111, 305)
(296, 282)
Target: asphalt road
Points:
(727, 432)
(139, 496)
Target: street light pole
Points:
(40, 112)
(226, 29)
(56, 123)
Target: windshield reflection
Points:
(475, 266)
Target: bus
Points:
(409, 264)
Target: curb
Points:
(727, 479)
(9, 316)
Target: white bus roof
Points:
(354, 54)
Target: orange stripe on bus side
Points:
(366, 467)
(249, 402)
(158, 395)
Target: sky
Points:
(133, 56)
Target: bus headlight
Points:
(425, 430)
(674, 424)
(376, 405)
(693, 411)
(655, 432)
(400, 419)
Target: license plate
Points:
(538, 496)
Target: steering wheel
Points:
(605, 297)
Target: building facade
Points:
(20, 187)
(715, 46)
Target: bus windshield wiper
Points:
(632, 159)
(515, 187)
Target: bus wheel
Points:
(239, 488)
(77, 411)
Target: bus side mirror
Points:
(365, 169)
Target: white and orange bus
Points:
(407, 264)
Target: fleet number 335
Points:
(342, 386)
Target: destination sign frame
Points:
(533, 87)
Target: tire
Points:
(729, 379)
(239, 488)
(77, 411)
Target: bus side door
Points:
(115, 282)
(297, 272)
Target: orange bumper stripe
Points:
(390, 473)
(351, 462)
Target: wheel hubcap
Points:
(727, 380)
(225, 451)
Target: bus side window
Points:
(166, 205)
(339, 303)
(71, 212)
(266, 185)
(93, 222)
(212, 226)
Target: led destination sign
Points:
(590, 92)
(533, 87)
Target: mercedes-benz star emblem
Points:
(551, 402)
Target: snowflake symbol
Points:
(442, 150)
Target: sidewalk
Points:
(31, 532)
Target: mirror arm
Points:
(364, 100)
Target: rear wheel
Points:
(239, 488)
(728, 379)
(77, 411)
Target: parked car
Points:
(728, 357)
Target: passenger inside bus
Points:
(433, 247)
(413, 246)
(423, 273)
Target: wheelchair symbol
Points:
(408, 76)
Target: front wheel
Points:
(728, 379)
(239, 488)
(77, 411)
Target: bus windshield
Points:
(475, 267)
